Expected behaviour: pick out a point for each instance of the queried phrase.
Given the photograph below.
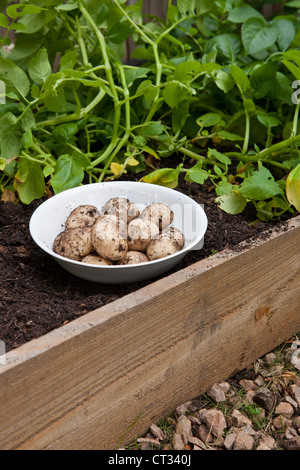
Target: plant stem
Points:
(136, 27)
(191, 154)
(125, 138)
(75, 116)
(247, 132)
(158, 83)
(109, 75)
(263, 156)
(295, 121)
(82, 44)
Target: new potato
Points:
(82, 216)
(134, 257)
(96, 259)
(121, 207)
(161, 246)
(74, 243)
(118, 234)
(140, 233)
(109, 237)
(159, 213)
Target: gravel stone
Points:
(265, 396)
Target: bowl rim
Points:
(65, 260)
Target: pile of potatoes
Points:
(119, 234)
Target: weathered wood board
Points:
(83, 385)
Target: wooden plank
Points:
(82, 385)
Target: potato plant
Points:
(215, 84)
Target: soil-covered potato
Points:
(176, 234)
(140, 233)
(121, 207)
(134, 257)
(109, 237)
(96, 259)
(159, 213)
(161, 246)
(82, 216)
(74, 243)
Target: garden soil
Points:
(37, 295)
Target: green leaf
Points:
(291, 59)
(268, 121)
(29, 181)
(10, 136)
(27, 139)
(39, 67)
(257, 35)
(15, 78)
(18, 27)
(219, 156)
(52, 95)
(229, 136)
(67, 7)
(249, 105)
(64, 132)
(175, 92)
(227, 45)
(133, 74)
(142, 53)
(186, 7)
(26, 46)
(232, 203)
(152, 129)
(119, 32)
(11, 132)
(293, 4)
(209, 120)
(263, 78)
(196, 174)
(224, 187)
(293, 187)
(186, 71)
(286, 32)
(3, 21)
(172, 14)
(240, 77)
(18, 10)
(165, 177)
(223, 80)
(35, 23)
(46, 3)
(68, 174)
(144, 86)
(260, 185)
(180, 115)
(68, 60)
(282, 88)
(242, 13)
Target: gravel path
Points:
(257, 409)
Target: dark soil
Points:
(37, 295)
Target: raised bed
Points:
(126, 364)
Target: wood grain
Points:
(83, 385)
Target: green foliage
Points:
(214, 85)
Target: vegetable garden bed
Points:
(212, 110)
(83, 384)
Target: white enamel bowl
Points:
(49, 218)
